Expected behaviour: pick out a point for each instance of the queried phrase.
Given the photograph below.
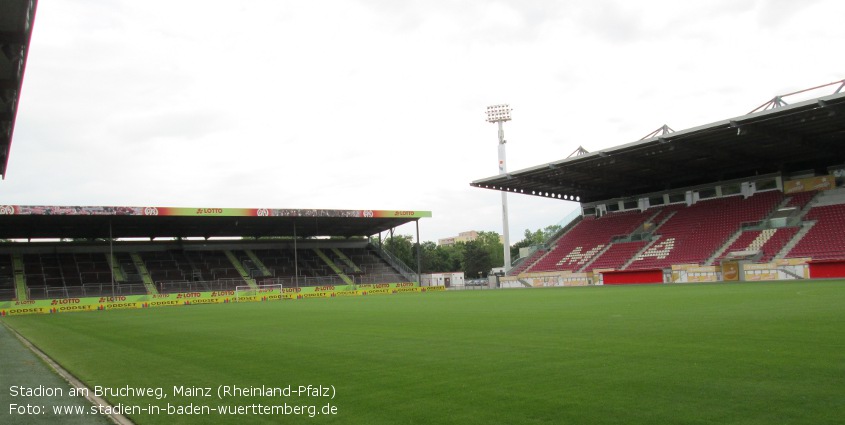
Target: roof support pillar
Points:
(419, 254)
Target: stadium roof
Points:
(801, 136)
(16, 18)
(36, 222)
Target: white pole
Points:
(503, 170)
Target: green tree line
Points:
(474, 258)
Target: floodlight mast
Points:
(499, 114)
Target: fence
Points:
(87, 290)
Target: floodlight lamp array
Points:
(499, 113)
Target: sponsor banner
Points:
(432, 288)
(347, 294)
(119, 306)
(73, 308)
(401, 290)
(810, 183)
(693, 267)
(766, 266)
(374, 285)
(730, 271)
(792, 261)
(24, 310)
(546, 280)
(196, 301)
(162, 303)
(208, 212)
(204, 212)
(694, 277)
(247, 299)
(395, 214)
(123, 302)
(313, 295)
(761, 275)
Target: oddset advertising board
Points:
(121, 302)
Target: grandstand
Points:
(766, 187)
(76, 252)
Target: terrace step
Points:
(145, 274)
(805, 228)
(119, 276)
(347, 260)
(20, 278)
(258, 263)
(724, 247)
(346, 279)
(240, 268)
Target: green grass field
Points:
(753, 353)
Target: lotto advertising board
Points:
(68, 305)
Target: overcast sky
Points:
(380, 104)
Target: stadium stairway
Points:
(240, 268)
(20, 278)
(145, 274)
(722, 249)
(805, 228)
(824, 241)
(617, 252)
(528, 262)
(662, 217)
(595, 257)
(119, 276)
(332, 265)
(258, 263)
(346, 260)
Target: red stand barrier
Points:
(632, 277)
(825, 269)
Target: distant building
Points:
(443, 279)
(462, 237)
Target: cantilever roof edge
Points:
(38, 222)
(830, 100)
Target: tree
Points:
(480, 255)
(476, 259)
(491, 243)
(402, 247)
(538, 237)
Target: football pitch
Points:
(749, 353)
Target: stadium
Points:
(699, 281)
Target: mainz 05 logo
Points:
(151, 211)
(7, 210)
(368, 214)
(263, 212)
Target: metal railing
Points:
(86, 290)
(396, 263)
(7, 294)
